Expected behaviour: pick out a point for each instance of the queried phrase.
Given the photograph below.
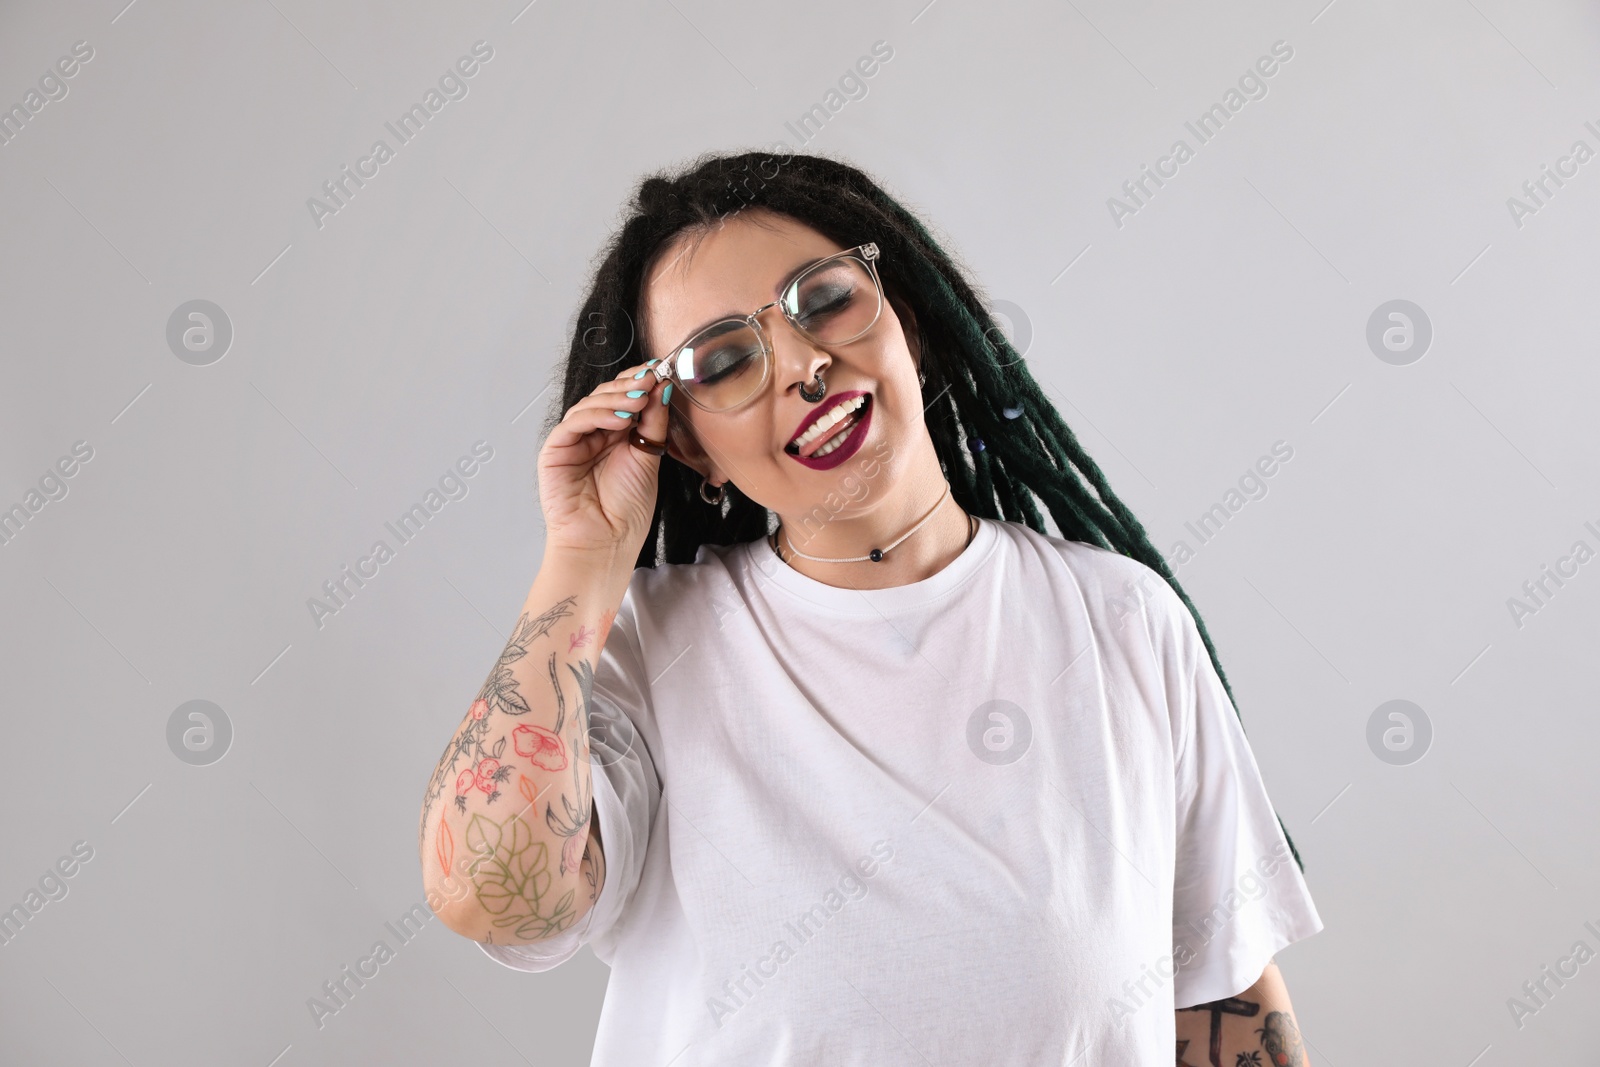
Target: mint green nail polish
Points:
(666, 394)
(636, 393)
(623, 414)
(642, 373)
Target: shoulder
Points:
(1093, 567)
(1113, 588)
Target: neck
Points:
(925, 553)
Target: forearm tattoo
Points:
(572, 824)
(511, 876)
(594, 868)
(1279, 1036)
(500, 695)
(509, 870)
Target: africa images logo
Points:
(342, 188)
(1252, 85)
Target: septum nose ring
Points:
(822, 388)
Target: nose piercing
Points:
(822, 387)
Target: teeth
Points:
(827, 422)
(831, 445)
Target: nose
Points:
(796, 358)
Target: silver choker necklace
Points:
(877, 554)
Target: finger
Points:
(616, 390)
(586, 430)
(617, 402)
(652, 417)
(637, 372)
(598, 420)
(630, 393)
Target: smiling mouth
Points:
(830, 431)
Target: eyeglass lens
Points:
(833, 302)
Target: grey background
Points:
(368, 355)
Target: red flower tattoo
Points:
(486, 773)
(480, 708)
(540, 746)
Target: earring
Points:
(710, 500)
(922, 376)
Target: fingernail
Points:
(623, 414)
(643, 371)
(666, 394)
(651, 362)
(636, 392)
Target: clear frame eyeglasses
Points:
(832, 301)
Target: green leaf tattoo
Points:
(511, 876)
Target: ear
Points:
(682, 446)
(910, 327)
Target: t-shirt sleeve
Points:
(626, 796)
(1238, 896)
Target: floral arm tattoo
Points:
(1281, 1038)
(507, 864)
(1278, 1036)
(500, 693)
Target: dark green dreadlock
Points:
(1000, 442)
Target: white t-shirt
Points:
(1005, 814)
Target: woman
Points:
(819, 738)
